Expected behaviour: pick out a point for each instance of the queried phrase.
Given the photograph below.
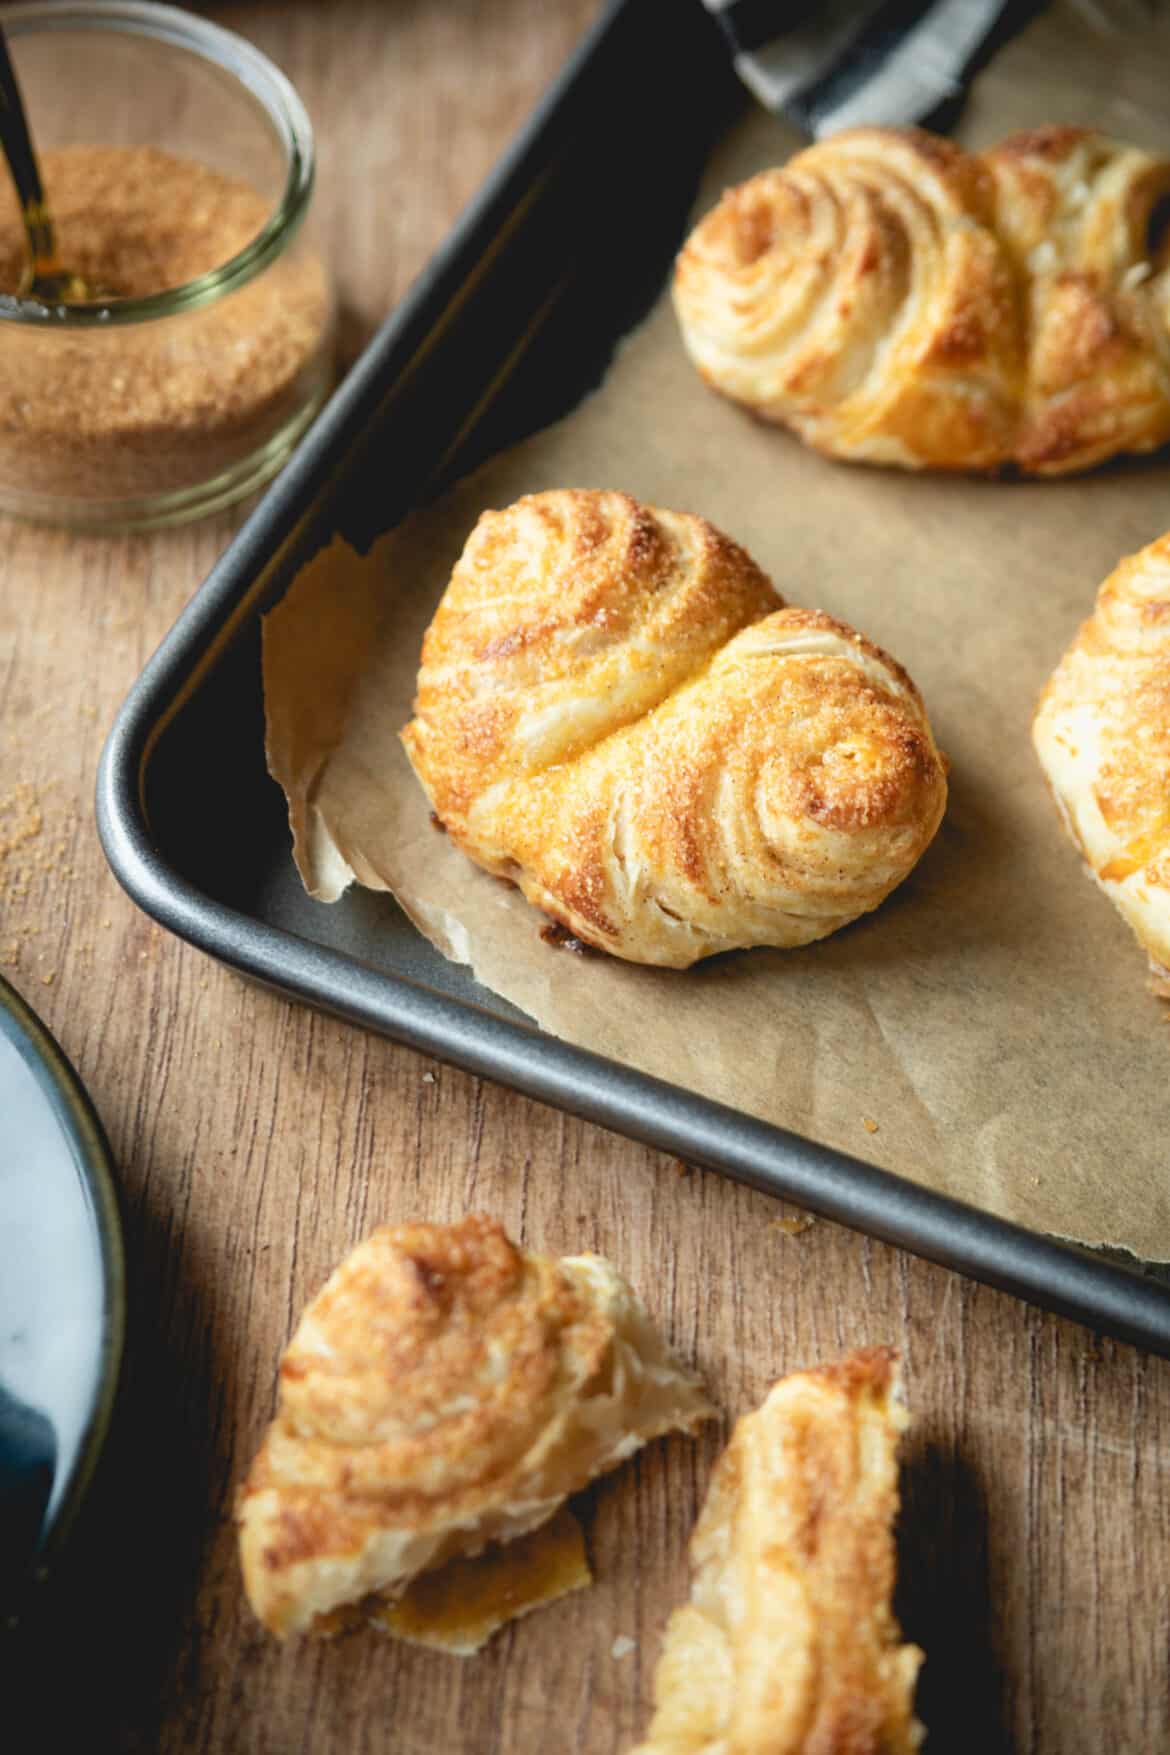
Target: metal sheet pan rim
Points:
(818, 1177)
(1042, 1270)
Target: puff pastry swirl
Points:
(443, 1390)
(894, 299)
(615, 711)
(1102, 733)
(788, 1644)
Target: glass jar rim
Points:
(252, 70)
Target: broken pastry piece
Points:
(1102, 733)
(617, 713)
(446, 1390)
(789, 1644)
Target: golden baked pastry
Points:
(788, 1644)
(1102, 733)
(615, 711)
(894, 299)
(444, 1390)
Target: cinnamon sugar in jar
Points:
(178, 180)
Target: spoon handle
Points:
(22, 161)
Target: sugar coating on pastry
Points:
(1102, 733)
(445, 1389)
(894, 299)
(617, 712)
(788, 1644)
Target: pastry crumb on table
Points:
(793, 1224)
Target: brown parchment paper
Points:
(991, 1018)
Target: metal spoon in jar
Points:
(45, 277)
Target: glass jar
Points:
(171, 150)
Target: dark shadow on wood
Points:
(944, 1603)
(108, 1647)
(355, 328)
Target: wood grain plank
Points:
(257, 1142)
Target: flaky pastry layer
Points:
(894, 299)
(1102, 733)
(617, 712)
(788, 1644)
(445, 1389)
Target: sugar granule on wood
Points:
(21, 825)
(129, 410)
(28, 858)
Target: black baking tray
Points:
(515, 318)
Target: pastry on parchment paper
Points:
(616, 711)
(1102, 733)
(894, 299)
(446, 1390)
(788, 1644)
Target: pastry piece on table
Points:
(894, 299)
(788, 1645)
(445, 1390)
(1102, 733)
(616, 712)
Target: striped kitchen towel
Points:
(836, 63)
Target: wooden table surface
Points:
(256, 1143)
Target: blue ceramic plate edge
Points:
(79, 1120)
